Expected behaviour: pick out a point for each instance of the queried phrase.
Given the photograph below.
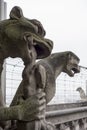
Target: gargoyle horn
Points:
(16, 13)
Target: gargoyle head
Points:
(72, 62)
(79, 89)
(25, 25)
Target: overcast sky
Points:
(65, 22)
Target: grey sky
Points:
(65, 22)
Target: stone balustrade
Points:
(69, 119)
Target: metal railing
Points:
(65, 85)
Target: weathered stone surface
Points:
(52, 66)
(25, 38)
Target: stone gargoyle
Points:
(52, 66)
(82, 93)
(46, 72)
(24, 38)
(13, 32)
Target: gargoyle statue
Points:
(23, 38)
(13, 32)
(46, 72)
(52, 67)
(83, 96)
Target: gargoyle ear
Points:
(69, 55)
(16, 13)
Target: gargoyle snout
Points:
(78, 69)
(79, 89)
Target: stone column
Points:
(3, 10)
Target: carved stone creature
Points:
(83, 96)
(13, 33)
(46, 71)
(52, 66)
(23, 38)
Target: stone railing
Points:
(69, 119)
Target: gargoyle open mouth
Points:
(43, 48)
(42, 45)
(73, 70)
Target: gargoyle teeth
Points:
(76, 70)
(73, 71)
